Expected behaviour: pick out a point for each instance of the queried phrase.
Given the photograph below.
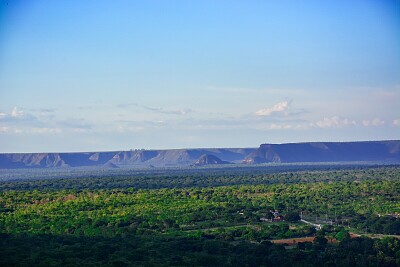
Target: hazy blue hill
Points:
(175, 157)
(138, 158)
(33, 160)
(382, 151)
(235, 155)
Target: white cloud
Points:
(347, 122)
(396, 122)
(281, 126)
(279, 107)
(335, 121)
(374, 122)
(18, 121)
(16, 113)
(328, 122)
(366, 122)
(377, 122)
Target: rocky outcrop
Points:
(207, 159)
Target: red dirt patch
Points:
(293, 241)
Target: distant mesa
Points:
(382, 151)
(369, 151)
(207, 159)
(265, 153)
(134, 157)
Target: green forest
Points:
(205, 219)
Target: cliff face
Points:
(382, 151)
(386, 151)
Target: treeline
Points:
(200, 178)
(368, 223)
(159, 250)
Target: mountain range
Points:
(368, 151)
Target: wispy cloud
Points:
(38, 121)
(338, 122)
(244, 90)
(74, 124)
(45, 130)
(127, 105)
(18, 121)
(17, 115)
(374, 122)
(335, 121)
(129, 129)
(29, 130)
(277, 108)
(168, 111)
(396, 122)
(183, 111)
(43, 110)
(282, 126)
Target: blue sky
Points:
(115, 75)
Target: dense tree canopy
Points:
(57, 222)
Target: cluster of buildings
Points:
(276, 217)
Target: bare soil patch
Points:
(293, 241)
